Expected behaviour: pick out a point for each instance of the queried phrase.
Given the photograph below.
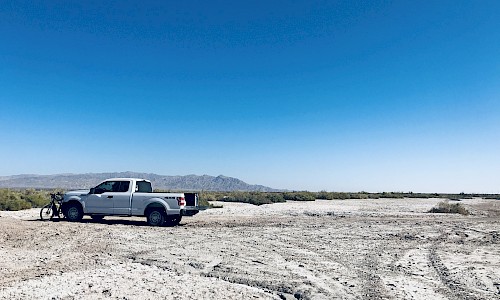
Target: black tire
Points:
(97, 217)
(74, 212)
(155, 217)
(173, 220)
(46, 212)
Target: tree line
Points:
(17, 199)
(259, 198)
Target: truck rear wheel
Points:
(155, 217)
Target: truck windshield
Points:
(144, 187)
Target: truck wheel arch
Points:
(155, 205)
(67, 204)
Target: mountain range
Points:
(164, 182)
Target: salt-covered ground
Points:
(350, 249)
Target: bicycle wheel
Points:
(46, 212)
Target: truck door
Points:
(100, 202)
(121, 197)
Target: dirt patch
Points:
(351, 249)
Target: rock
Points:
(286, 296)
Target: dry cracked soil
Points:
(351, 249)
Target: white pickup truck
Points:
(129, 197)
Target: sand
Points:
(350, 249)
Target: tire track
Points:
(372, 285)
(454, 287)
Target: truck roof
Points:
(124, 179)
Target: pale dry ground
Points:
(352, 249)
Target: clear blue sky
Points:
(333, 95)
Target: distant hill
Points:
(75, 181)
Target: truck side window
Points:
(121, 186)
(144, 187)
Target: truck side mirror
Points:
(92, 191)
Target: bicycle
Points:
(53, 209)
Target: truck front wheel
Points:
(74, 213)
(155, 217)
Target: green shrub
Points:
(449, 208)
(256, 198)
(299, 196)
(36, 198)
(247, 197)
(324, 195)
(14, 204)
(11, 200)
(391, 195)
(23, 199)
(275, 197)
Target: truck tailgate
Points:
(191, 207)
